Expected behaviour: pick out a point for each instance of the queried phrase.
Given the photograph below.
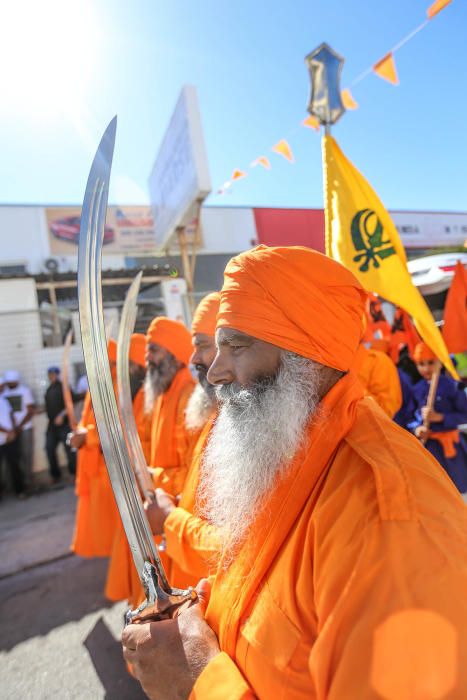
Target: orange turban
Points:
(138, 349)
(112, 350)
(204, 320)
(297, 299)
(422, 352)
(171, 335)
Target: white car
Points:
(433, 274)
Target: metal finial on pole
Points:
(325, 67)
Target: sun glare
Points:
(47, 51)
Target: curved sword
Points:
(127, 324)
(161, 599)
(67, 397)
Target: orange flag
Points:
(262, 160)
(455, 312)
(436, 7)
(312, 122)
(348, 100)
(386, 69)
(237, 175)
(283, 149)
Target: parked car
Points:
(433, 273)
(67, 229)
(433, 276)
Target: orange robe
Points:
(171, 441)
(192, 543)
(352, 583)
(172, 445)
(86, 470)
(97, 513)
(379, 377)
(122, 577)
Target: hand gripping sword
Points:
(130, 430)
(161, 599)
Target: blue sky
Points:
(72, 65)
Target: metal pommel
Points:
(325, 67)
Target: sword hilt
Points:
(159, 604)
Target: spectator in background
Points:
(58, 426)
(81, 389)
(9, 448)
(22, 402)
(442, 436)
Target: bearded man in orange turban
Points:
(167, 388)
(343, 572)
(192, 543)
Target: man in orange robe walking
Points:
(192, 543)
(379, 378)
(343, 572)
(96, 512)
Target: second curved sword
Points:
(130, 430)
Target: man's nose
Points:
(220, 371)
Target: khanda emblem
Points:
(367, 236)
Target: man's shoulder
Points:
(392, 471)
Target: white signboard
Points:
(173, 291)
(180, 175)
(419, 229)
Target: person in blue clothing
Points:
(405, 414)
(442, 436)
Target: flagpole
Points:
(325, 67)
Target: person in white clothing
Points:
(22, 403)
(9, 445)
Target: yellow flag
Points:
(361, 235)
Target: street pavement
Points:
(59, 637)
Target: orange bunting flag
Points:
(386, 69)
(262, 160)
(283, 149)
(312, 122)
(237, 175)
(436, 7)
(348, 100)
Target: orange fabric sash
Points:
(163, 436)
(448, 440)
(234, 587)
(143, 423)
(188, 498)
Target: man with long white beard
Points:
(192, 543)
(344, 571)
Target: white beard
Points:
(258, 431)
(198, 408)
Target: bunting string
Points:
(385, 68)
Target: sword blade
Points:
(160, 597)
(127, 324)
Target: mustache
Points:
(236, 394)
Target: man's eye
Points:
(236, 347)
